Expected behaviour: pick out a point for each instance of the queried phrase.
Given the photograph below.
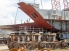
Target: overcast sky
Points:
(8, 9)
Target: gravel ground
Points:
(34, 50)
(61, 50)
(5, 48)
(51, 50)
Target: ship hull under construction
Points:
(42, 19)
(47, 24)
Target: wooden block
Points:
(22, 49)
(45, 49)
(37, 49)
(14, 49)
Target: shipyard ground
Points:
(5, 48)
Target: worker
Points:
(57, 36)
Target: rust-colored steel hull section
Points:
(33, 14)
(17, 26)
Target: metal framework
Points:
(30, 29)
(65, 2)
(56, 5)
(68, 4)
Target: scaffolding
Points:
(30, 29)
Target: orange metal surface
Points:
(35, 16)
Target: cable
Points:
(16, 14)
(34, 1)
(19, 0)
(41, 4)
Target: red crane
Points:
(65, 4)
(56, 5)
